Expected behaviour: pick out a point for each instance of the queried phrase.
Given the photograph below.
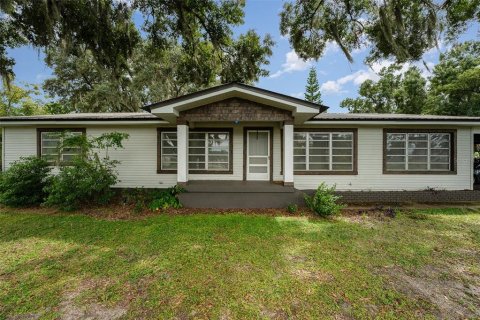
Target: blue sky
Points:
(339, 79)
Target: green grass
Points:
(233, 266)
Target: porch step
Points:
(238, 194)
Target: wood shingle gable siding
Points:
(235, 109)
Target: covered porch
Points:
(257, 125)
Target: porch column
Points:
(288, 153)
(182, 153)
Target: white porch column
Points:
(182, 153)
(288, 153)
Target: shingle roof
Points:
(117, 116)
(388, 117)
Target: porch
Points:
(238, 194)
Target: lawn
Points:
(420, 264)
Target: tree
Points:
(104, 26)
(106, 30)
(312, 89)
(399, 29)
(151, 74)
(455, 83)
(18, 101)
(394, 92)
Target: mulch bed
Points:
(128, 212)
(119, 211)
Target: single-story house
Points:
(235, 138)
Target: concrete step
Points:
(240, 200)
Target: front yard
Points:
(421, 264)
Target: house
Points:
(240, 146)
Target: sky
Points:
(338, 78)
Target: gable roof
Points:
(233, 85)
(170, 109)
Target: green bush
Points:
(324, 202)
(24, 182)
(87, 179)
(292, 208)
(167, 199)
(82, 182)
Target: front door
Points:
(258, 155)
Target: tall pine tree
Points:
(312, 90)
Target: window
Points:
(317, 151)
(209, 151)
(168, 150)
(419, 152)
(50, 141)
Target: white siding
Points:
(138, 160)
(18, 142)
(138, 167)
(370, 168)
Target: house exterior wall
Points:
(18, 142)
(138, 166)
(370, 175)
(138, 160)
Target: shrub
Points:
(292, 208)
(81, 183)
(139, 197)
(24, 182)
(167, 199)
(87, 178)
(324, 202)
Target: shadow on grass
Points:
(448, 211)
(208, 262)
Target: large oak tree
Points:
(104, 60)
(398, 29)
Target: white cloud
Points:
(358, 77)
(330, 87)
(292, 63)
(331, 47)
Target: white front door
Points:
(258, 155)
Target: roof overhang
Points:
(301, 110)
(385, 123)
(57, 123)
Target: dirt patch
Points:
(69, 310)
(274, 314)
(311, 275)
(26, 316)
(454, 297)
(296, 258)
